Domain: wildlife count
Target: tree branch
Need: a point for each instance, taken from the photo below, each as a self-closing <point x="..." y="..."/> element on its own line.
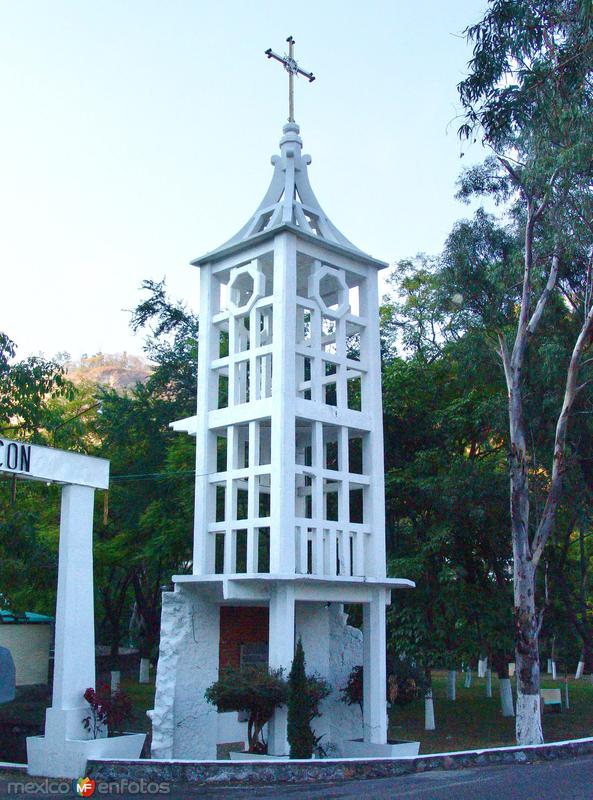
<point x="546" y="523"/>
<point x="544" y="297"/>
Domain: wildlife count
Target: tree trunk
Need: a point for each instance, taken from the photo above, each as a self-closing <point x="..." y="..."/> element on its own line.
<point x="488" y="682"/>
<point x="429" y="721"/>
<point x="144" y="672"/>
<point x="451" y="685"/>
<point x="528" y="718"/>
<point x="506" y="697"/>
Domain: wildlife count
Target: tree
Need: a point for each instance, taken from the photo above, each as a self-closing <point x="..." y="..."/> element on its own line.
<point x="256" y="691"/>
<point x="445" y="459"/>
<point x="300" y="736"/>
<point x="529" y="95"/>
<point x="305" y="693"/>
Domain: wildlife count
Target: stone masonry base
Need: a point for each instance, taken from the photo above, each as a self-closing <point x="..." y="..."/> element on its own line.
<point x="254" y="773"/>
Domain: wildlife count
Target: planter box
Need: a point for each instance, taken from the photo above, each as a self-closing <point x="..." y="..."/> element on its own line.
<point x="244" y="756"/>
<point x="394" y="748"/>
<point x="68" y="759"/>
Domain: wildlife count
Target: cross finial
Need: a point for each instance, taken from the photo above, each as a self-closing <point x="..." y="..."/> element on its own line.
<point x="291" y="66"/>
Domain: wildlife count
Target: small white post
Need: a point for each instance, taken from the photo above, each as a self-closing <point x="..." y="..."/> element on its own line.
<point x="580" y="669"/>
<point x="553" y="670"/>
<point x="488" y="682"/>
<point x="144" y="676"/>
<point x="115" y="680"/>
<point x="566" y="698"/>
<point x="451" y="685"/>
<point x="506" y="697"/>
<point x="468" y="678"/>
<point x="429" y="723"/>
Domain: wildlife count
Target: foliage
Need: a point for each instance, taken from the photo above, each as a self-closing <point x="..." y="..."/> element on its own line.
<point x="108" y="710"/>
<point x="254" y="690"/>
<point x="352" y="693"/>
<point x="305" y="693"/>
<point x="25" y="388"/>
<point x="404" y="681"/>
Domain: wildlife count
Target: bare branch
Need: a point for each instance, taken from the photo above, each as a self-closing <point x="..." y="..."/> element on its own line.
<point x="546" y="523"/>
<point x="503" y="352"/>
<point x="544" y="297"/>
<point x="521" y="337"/>
<point x="548" y="195"/>
<point x="514" y="175"/>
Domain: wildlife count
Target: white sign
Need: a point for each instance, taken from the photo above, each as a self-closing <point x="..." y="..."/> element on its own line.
<point x="49" y="464"/>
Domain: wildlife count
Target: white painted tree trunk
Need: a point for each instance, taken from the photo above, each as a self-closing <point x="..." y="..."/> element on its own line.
<point x="579" y="673"/>
<point x="506" y="697"/>
<point x="144" y="676"/>
<point x="468" y="679"/>
<point x="553" y="670"/>
<point x="482" y="667"/>
<point x="451" y="685"/>
<point x="115" y="680"/>
<point x="549" y="665"/>
<point x="529" y="721"/>
<point x="488" y="682"/>
<point x="429" y="723"/>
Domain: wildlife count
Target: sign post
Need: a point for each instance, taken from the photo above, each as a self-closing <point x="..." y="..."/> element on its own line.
<point x="56" y="754"/>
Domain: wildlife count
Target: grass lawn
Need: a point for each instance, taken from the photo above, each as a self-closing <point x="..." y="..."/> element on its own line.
<point x="472" y="721"/>
<point x="475" y="721"/>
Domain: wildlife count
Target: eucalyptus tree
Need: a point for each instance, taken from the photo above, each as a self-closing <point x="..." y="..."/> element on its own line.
<point x="529" y="96"/>
<point x="445" y="464"/>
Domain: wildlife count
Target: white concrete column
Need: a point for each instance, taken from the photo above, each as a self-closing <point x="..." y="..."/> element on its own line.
<point x="281" y="653"/>
<point x="74" y="665"/>
<point x="374" y="669"/>
<point x="206" y="451"/>
<point x="282" y="530"/>
<point x="372" y="404"/>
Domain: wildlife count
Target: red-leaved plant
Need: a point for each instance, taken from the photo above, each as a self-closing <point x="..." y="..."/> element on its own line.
<point x="107" y="710"/>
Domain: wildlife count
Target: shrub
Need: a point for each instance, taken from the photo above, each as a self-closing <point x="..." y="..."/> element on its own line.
<point x="305" y="693"/>
<point x="352" y="693"/>
<point x="256" y="691"/>
<point x="107" y="710"/>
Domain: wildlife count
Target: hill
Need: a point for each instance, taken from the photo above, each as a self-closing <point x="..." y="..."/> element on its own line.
<point x="119" y="370"/>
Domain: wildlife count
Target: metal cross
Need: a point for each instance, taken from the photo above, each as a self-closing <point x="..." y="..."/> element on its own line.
<point x="291" y="66"/>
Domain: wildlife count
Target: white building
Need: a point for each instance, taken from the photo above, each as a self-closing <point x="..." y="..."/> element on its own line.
<point x="289" y="515"/>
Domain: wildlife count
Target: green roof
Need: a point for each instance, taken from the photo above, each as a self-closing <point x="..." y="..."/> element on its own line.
<point x="24" y="617"/>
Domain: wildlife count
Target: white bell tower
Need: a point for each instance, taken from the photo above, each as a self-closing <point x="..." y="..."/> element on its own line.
<point x="290" y="505"/>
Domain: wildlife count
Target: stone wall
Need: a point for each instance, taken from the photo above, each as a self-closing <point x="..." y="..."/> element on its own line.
<point x="259" y="773"/>
<point x="184" y="725"/>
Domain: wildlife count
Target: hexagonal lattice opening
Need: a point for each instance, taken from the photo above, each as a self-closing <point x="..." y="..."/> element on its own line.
<point x="246" y="286"/>
<point x="328" y="286"/>
<point x="242" y="289"/>
<point x="331" y="292"/>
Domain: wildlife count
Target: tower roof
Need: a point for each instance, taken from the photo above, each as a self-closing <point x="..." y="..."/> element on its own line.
<point x="290" y="203"/>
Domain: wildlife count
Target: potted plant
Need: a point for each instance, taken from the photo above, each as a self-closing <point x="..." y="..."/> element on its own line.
<point x="258" y="692"/>
<point x="106" y="715"/>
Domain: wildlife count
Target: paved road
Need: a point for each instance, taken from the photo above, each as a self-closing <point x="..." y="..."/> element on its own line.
<point x="560" y="780"/>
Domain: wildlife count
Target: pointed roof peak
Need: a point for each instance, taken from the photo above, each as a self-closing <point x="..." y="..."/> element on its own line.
<point x="289" y="201"/>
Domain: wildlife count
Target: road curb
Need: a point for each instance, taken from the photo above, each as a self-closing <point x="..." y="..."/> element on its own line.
<point x="262" y="773"/>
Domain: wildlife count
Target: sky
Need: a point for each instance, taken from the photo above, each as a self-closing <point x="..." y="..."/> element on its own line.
<point x="137" y="134"/>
